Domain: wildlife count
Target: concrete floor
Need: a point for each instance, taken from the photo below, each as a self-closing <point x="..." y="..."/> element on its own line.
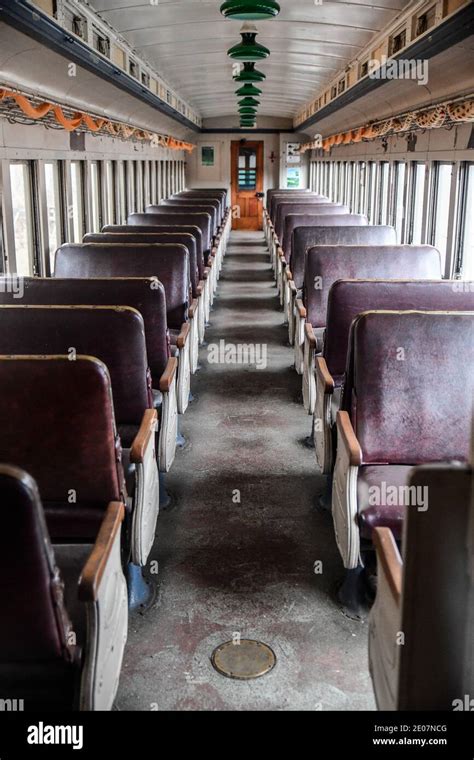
<point x="247" y="568"/>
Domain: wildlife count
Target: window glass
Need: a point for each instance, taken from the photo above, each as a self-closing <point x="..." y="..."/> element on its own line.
<point x="383" y="192"/>
<point x="467" y="226"/>
<point x="247" y="178"/>
<point x="440" y="208"/>
<point x="398" y="209"/>
<point x="417" y="199"/>
<point x="95" y="196"/>
<point x="22" y="217"/>
<point x="53" y="207"/>
<point x="77" y="209"/>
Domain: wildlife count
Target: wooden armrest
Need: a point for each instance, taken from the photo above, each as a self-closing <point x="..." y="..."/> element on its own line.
<point x="93" y="570"/>
<point x="183" y="335"/>
<point x="347" y="438"/>
<point x="389" y="559"/>
<point x="301" y="308"/>
<point x="288" y="273"/>
<point x="292" y="286"/>
<point x="140" y="442"/>
<point x="280" y="252"/>
<point x="308" y="329"/>
<point x="206" y="273"/>
<point x="168" y="375"/>
<point x="192" y="309"/>
<point x="321" y="369"/>
<point x="214" y="251"/>
<point x="200" y="287"/>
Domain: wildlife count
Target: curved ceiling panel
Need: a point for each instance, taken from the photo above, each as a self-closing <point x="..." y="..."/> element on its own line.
<point x="187" y="42"/>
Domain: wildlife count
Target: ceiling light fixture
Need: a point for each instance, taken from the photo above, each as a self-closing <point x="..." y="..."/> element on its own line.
<point x="248" y="89"/>
<point x="250" y="10"/>
<point x="248" y="50"/>
<point x="249" y="74"/>
<point x="249" y="102"/>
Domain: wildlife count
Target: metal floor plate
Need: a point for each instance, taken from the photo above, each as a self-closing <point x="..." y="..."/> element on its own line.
<point x="245" y="660"/>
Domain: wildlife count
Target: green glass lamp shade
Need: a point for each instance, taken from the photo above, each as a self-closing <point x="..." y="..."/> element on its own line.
<point x="248" y="89"/>
<point x="250" y="74"/>
<point x="250" y="10"/>
<point x="249" y="102"/>
<point x="247" y="111"/>
<point x="248" y="49"/>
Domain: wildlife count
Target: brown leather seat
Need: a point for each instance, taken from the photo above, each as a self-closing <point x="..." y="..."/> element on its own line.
<point x="404" y="370"/>
<point x="208" y="205"/>
<point x="421" y="627"/>
<point x="176" y="217"/>
<point x="52" y="656"/>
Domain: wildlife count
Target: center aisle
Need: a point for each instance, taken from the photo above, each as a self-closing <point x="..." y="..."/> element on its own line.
<point x="237" y="552"/>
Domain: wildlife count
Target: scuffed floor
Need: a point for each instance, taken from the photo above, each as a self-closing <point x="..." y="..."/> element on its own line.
<point x="246" y="568"/>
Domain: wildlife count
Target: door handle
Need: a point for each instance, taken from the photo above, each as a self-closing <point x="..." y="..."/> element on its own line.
<point x="259" y="195"/>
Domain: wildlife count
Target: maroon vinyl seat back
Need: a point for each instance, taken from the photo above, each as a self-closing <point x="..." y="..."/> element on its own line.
<point x="211" y="205"/>
<point x="326" y="229"/>
<point x="220" y="196"/>
<point x="327" y="264"/>
<point x="172" y="215"/>
<point x="162" y="228"/>
<point x="178" y="238"/>
<point x="168" y="263"/>
<point x="113" y="334"/>
<point x="146" y="295"/>
<point x="313" y="206"/>
<point x="301" y="234"/>
<point x="274" y="195"/>
<point x="35" y="623"/>
<point x="413" y="386"/>
<point x="58" y="424"/>
<point x="348" y="298"/>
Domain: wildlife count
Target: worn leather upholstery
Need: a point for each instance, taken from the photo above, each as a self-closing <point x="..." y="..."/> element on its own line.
<point x="205" y="195"/>
<point x="168" y="263"/>
<point x="169" y="215"/>
<point x="163" y="228"/>
<point x="113" y="334"/>
<point x="61" y="425"/>
<point x="337" y="262"/>
<point x="146" y="295"/>
<point x="315" y="229"/>
<point x="347" y="298"/>
<point x="301" y="234"/>
<point x="314" y="206"/>
<point x="154" y="237"/>
<point x="289" y="195"/>
<point x="213" y="206"/>
<point x="409" y="393"/>
<point x="37" y="664"/>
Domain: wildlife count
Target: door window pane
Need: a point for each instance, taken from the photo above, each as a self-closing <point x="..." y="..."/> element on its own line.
<point x="247" y="171"/>
<point x="53" y="206"/>
<point x="22" y="217"/>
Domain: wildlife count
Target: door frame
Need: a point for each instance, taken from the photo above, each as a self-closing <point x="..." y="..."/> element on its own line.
<point x="235" y="146"/>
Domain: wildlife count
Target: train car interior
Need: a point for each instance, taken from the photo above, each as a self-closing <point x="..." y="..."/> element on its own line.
<point x="237" y="356"/>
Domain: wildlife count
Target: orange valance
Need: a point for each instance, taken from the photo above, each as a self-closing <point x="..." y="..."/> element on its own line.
<point x="92" y="124"/>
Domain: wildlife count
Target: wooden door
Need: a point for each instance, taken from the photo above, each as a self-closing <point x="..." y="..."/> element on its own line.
<point x="247" y="181"/>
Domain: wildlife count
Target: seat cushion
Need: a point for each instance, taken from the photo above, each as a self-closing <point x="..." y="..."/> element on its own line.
<point x="382" y="497"/>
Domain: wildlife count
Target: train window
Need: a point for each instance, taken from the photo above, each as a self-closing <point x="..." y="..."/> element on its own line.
<point x="146" y="183"/>
<point x="371" y="181"/>
<point x="355" y="187"/>
<point x="340" y="186"/>
<point x="383" y="192"/>
<point x="109" y="192"/>
<point x="22" y="212"/>
<point x="138" y="186"/>
<point x="153" y="198"/>
<point x="348" y="183"/>
<point x="76" y="211"/>
<point x="398" y="205"/>
<point x="131" y="203"/>
<point x="418" y="175"/>
<point x="53" y="208"/>
<point x="440" y="205"/>
<point x="465" y="253"/>
<point x="121" y="192"/>
<point x="95" y="196"/>
<point x="362" y="204"/>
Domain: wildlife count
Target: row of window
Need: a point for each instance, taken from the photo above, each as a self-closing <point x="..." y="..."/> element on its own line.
<point x="47" y="203"/>
<point x="426" y="202"/>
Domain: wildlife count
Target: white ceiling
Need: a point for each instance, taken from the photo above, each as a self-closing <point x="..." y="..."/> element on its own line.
<point x="186" y="41"/>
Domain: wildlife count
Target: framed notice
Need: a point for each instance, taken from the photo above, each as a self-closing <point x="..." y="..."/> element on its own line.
<point x="292" y="177"/>
<point x="293" y="155"/>
<point x="207" y="155"/>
